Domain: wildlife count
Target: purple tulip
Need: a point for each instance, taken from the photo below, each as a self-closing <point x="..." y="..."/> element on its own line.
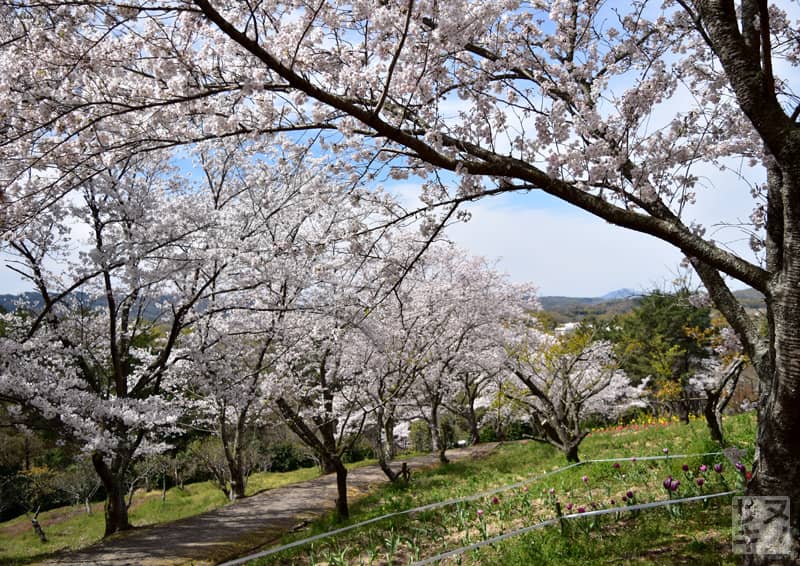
<point x="665" y="450"/>
<point x="616" y="465"/>
<point x="703" y="468"/>
<point x="614" y="502"/>
<point x="581" y="509"/>
<point x="552" y="490"/>
<point x="629" y="494"/>
<point x="700" y="482"/>
<point x="674" y="485"/>
<point x="667" y="483"/>
<point x="569" y="506"/>
<point x="585" y="479"/>
<point x="718" y="468"/>
<point x="495" y="500"/>
<point x="739" y="467"/>
<point x="480" y="513"/>
<point x="633" y="459"/>
<point x="685" y="467"/>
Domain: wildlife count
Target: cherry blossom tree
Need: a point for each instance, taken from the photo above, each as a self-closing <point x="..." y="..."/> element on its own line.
<point x="560" y="96"/>
<point x="91" y="363"/>
<point x="473" y="381"/>
<point x="396" y="352"/>
<point x="317" y="396"/>
<point x="463" y="301"/>
<point x="719" y="374"/>
<point x="277" y="216"/>
<point x="566" y="380"/>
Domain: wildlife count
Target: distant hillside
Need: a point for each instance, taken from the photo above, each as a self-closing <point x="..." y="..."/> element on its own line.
<point x="32" y="300"/>
<point x="564" y="309"/>
<point x="621" y="294"/>
<point x="751" y="299"/>
<point x="8" y="303"/>
<point x="569" y="309"/>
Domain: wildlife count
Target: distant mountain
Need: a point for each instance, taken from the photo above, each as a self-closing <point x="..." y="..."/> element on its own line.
<point x="33" y="300"/>
<point x="8" y="302"/>
<point x="570" y="309"/>
<point x="565" y="309"/>
<point x="621" y="294"/>
<point x="751" y="299"/>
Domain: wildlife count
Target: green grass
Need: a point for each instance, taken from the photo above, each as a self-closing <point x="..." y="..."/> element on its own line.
<point x="700" y="535"/>
<point x="696" y="533"/>
<point x="72" y="528"/>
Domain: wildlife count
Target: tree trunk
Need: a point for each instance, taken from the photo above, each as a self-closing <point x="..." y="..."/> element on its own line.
<point x="713" y="420"/>
<point x="776" y="470"/>
<point x="571" y="452"/>
<point x="499" y="431"/>
<point x="38" y="527"/>
<point x="683" y="411"/>
<point x="437" y="442"/>
<point x="116" y="511"/>
<point x="472" y="418"/>
<point x="388" y="431"/>
<point x="327" y="463"/>
<point x="238" y="482"/>
<point x="442" y="456"/>
<point x="381" y="448"/>
<point x="342" y="509"/>
<point x="474" y="431"/>
<point x="387" y="469"/>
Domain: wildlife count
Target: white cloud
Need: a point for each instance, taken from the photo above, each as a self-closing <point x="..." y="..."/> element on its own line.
<point x="565" y="252"/>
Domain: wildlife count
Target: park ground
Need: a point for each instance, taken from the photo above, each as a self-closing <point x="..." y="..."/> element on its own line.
<point x="680" y="534"/>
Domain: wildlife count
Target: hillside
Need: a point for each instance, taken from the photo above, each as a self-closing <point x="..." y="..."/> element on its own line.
<point x="571" y="309"/>
<point x="563" y="309"/>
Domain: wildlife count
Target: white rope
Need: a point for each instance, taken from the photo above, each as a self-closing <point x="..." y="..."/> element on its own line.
<point x="555" y="520"/>
<point x="449" y="502"/>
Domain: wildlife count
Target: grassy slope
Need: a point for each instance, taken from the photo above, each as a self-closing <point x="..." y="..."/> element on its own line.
<point x="700" y="535"/>
<point x="71" y="527"/>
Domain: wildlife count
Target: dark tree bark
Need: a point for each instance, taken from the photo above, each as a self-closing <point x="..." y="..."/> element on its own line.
<point x="326" y="447"/>
<point x="712" y="421"/>
<point x="116" y="509"/>
<point x="384" y="444"/>
<point x="37" y="527"/>
<point x="342" y="509"/>
<point x="474" y="430"/>
<point x="438" y="443"/>
<point x="717" y="399"/>
<point x="571" y="452"/>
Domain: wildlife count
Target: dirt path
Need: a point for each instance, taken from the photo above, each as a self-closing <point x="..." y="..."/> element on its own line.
<point x="237" y="529"/>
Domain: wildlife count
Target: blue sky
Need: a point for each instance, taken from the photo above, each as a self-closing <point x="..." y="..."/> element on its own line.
<point x="565" y="251"/>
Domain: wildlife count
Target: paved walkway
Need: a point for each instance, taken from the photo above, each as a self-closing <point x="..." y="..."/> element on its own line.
<point x="240" y="528"/>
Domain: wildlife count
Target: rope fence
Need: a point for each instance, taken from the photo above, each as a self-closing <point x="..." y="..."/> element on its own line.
<point x="547" y="523"/>
<point x="484" y="494"/>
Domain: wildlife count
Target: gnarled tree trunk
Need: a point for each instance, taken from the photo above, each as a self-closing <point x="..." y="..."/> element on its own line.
<point x="116" y="509"/>
<point x="342" y="509"/>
